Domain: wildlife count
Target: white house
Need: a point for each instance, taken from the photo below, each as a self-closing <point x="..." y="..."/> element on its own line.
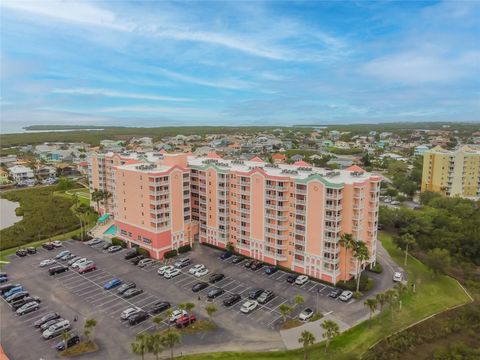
<point x="21" y="173"/>
<point x="420" y="149"/>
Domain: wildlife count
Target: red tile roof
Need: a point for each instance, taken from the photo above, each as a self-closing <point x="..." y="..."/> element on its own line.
<point x="257" y="159"/>
<point x="213" y="155"/>
<point x="301" y="163"/>
<point x="355" y="168"/>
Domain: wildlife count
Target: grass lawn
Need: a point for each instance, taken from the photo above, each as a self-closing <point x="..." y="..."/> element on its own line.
<point x="82" y="194"/>
<point x="432" y="295"/>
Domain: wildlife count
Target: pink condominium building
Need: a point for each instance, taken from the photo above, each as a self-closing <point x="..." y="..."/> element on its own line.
<point x="286" y="215"/>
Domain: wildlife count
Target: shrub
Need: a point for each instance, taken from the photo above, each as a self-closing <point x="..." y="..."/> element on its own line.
<point x="365" y="283"/>
<point x="377" y="268"/>
<point x="357" y="294"/>
<point x="183" y="249"/>
<point x="119" y="242"/>
<point x="19" y="211"/>
<point x="141" y="251"/>
<point x="170" y="254"/>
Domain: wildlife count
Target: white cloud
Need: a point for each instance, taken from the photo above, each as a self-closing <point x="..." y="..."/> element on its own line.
<point x="193" y="112"/>
<point x="117" y="94"/>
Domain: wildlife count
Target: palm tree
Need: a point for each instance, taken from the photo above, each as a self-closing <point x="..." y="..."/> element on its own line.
<point x="188" y="307"/>
<point x="360" y="252"/>
<point x="331" y="330"/>
<point x="211" y="309"/>
<point x="140" y="345"/>
<point x="105" y="196"/>
<point x="347" y="242"/>
<point x="306" y="339"/>
<point x="391" y="296"/>
<point x="401" y="290"/>
<point x="168" y="314"/>
<point x="285" y="309"/>
<point x="170" y="339"/>
<point x="372" y="304"/>
<point x="157" y="320"/>
<point x="65" y="337"/>
<point x="408" y="241"/>
<point x="97" y="197"/>
<point x="155" y="345"/>
<point x="298" y="300"/>
<point x="88" y="327"/>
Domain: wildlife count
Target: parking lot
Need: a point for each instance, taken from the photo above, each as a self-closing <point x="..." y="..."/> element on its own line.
<point x="83" y="295"/>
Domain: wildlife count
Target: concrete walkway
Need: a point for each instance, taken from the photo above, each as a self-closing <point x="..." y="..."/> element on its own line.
<point x="98" y="230"/>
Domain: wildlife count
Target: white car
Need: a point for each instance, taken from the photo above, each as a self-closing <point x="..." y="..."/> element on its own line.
<point x="397" y="276"/>
<point x="62" y="254"/>
<point x="302" y="279"/>
<point x="57" y="243"/>
<point x="172" y="273"/>
<point x="46" y="262"/>
<point x="163" y="269"/>
<point x="346" y="295"/>
<point x="248" y="306"/>
<point x="129" y="312"/>
<point x="306" y="314"/>
<point x="201" y="273"/>
<point x="196" y="268"/>
<point x="81" y="263"/>
<point x="177" y="314"/>
<point x="56" y="329"/>
<point x="145" y="262"/>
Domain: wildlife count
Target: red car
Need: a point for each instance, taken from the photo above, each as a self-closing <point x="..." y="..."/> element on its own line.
<point x="87" y="268"/>
<point x="186" y="320"/>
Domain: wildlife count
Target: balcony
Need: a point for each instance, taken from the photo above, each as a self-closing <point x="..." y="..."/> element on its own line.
<point x="300" y="221"/>
<point x="333" y="218"/>
<point x="300" y="201"/>
<point x="301" y="191"/>
<point x="336" y="207"/>
<point x="334" y="229"/>
<point x="335" y="197"/>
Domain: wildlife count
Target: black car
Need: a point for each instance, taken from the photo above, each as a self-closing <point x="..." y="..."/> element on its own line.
<point x="215" y="278"/>
<point x="212" y="294"/>
<point x="269" y="270"/>
<point x="45" y="318"/>
<point x="237" y="259"/>
<point x="19" y="303"/>
<point x="248" y="264"/>
<point x="72" y="340"/>
<point x="48" y="246"/>
<point x="255" y="293"/>
<point x="256" y="265"/>
<point x="225" y="255"/>
<point x="137" y="259"/>
<point x="291" y="278"/>
<point x="266" y="296"/>
<point x="7" y="287"/>
<point x="335" y="293"/>
<point x="159" y="307"/>
<point x="126" y="287"/>
<point x="21" y="252"/>
<point x="199" y="286"/>
<point x="57" y="269"/>
<point x="138" y="317"/>
<point x="31" y="250"/>
<point x="130" y="254"/>
<point x="232" y="300"/>
<point x="132" y="292"/>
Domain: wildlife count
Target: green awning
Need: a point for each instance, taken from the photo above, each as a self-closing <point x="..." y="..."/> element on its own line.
<point x="103" y="218"/>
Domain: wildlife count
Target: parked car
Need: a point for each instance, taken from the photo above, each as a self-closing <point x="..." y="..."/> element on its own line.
<point x="196" y="268"/>
<point x="163" y="269"/>
<point x="346" y="295"/>
<point x="256" y="265"/>
<point x="82" y="264"/>
<point x="49" y="323"/>
<point x="302" y="279"/>
<point x="255" y="293"/>
<point x="73" y="261"/>
<point x="3" y="279"/>
<point x="130" y="254"/>
<point x="248" y="306"/>
<point x="129" y="312"/>
<point x="180" y="263"/>
<point x="45" y="318"/>
<point x="248" y="264"/>
<point x="72" y="341"/>
<point x="199" y="286"/>
<point x="232" y="300"/>
<point x="57" y="270"/>
<point x="79" y="262"/>
<point x="56" y="329"/>
<point x="138" y="317"/>
<point x="21" y="252"/>
<point x="62" y="254"/>
<point x="266" y="296"/>
<point x="159" y="307"/>
<point x="216" y="292"/>
<point x="225" y="255"/>
<point x="269" y="270"/>
<point x="13" y="290"/>
<point x="106" y="245"/>
<point x="397" y="276"/>
<point x="28" y="308"/>
<point x="7" y="287"/>
<point x="145" y="262"/>
<point x="67" y="257"/>
<point x="335" y="293"/>
<point x="306" y="314"/>
<point x="185" y="320"/>
<point x="112" y="284"/>
<point x="136" y="259"/>
<point x="94" y="241"/>
<point x="292" y="278"/>
<point x="31" y="250"/>
<point x="19" y="303"/>
<point x="46" y="262"/>
<point x="237" y="259"/>
<point x="125" y="287"/>
<point x="172" y="273"/>
<point x="87" y="268"/>
<point x="176" y="314"/>
<point x="48" y="246"/>
<point x="131" y="293"/>
<point x="57" y="243"/>
<point x="201" y="273"/>
<point x="17" y="296"/>
<point x="214" y="278"/>
<point x="114" y="248"/>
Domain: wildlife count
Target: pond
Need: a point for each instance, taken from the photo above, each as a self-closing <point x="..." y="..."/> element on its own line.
<point x="7" y="213"/>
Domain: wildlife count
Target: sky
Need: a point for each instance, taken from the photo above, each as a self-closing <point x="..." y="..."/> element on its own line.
<point x="158" y="63"/>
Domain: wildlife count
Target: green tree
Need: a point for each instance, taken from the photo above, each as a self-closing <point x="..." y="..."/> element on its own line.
<point x="347" y="242"/>
<point x="65" y="337"/>
<point x="155" y="345"/>
<point x="285" y="309"/>
<point x="157" y="320"/>
<point x="360" y="252"/>
<point x="168" y="314"/>
<point x="438" y="260"/>
<point x="372" y="304"/>
<point x="381" y="300"/>
<point x="170" y="339"/>
<point x="331" y="330"/>
<point x="211" y="309"/>
<point x="298" y="300"/>
<point x="97" y="196"/>
<point x="405" y="242"/>
<point x="140" y="345"/>
<point x="188" y="307"/>
<point x="88" y="328"/>
<point x="392" y="297"/>
<point x="306" y="339"/>
<point x="401" y="290"/>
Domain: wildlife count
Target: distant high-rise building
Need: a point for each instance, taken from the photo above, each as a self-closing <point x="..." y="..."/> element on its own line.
<point x="452" y="173"/>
